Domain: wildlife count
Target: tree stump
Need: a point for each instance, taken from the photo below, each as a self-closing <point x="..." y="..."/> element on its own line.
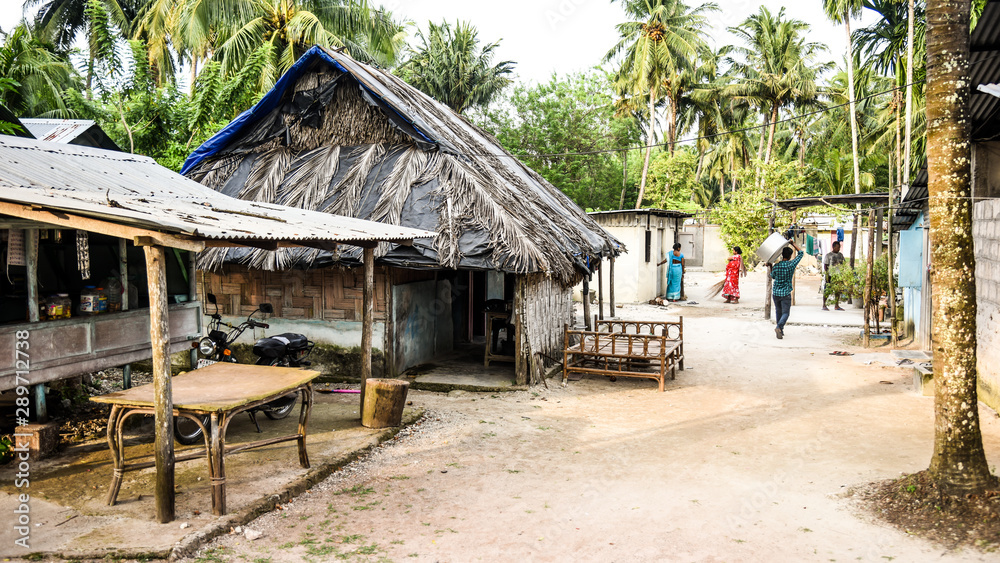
<point x="384" y="402"/>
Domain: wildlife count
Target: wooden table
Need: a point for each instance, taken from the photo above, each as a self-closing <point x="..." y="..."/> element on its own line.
<point x="219" y="391"/>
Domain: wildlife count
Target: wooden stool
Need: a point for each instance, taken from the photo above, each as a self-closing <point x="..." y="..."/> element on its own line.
<point x="383" y="402"/>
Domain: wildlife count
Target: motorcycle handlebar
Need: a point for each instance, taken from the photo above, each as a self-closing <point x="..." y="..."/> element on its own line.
<point x="263" y="325"/>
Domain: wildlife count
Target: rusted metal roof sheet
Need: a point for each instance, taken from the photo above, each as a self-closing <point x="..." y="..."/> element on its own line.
<point x="83" y="132"/>
<point x="134" y="190"/>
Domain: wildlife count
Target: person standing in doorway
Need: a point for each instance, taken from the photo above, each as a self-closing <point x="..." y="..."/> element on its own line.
<point x="833" y="259"/>
<point x="674" y="273"/>
<point x="781" y="289"/>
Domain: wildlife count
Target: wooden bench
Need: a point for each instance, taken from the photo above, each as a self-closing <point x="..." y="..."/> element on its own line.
<point x="644" y="349"/>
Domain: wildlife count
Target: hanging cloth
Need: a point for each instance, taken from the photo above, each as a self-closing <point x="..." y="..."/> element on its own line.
<point x="15" y="248"/>
<point x="83" y="254"/>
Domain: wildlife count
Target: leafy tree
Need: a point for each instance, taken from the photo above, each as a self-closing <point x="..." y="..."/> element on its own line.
<point x="657" y="43"/>
<point x="282" y="30"/>
<point x="38" y="75"/>
<point x="673" y="181"/>
<point x="102" y="21"/>
<point x="743" y="218"/>
<point x="450" y="66"/>
<point x="776" y="68"/>
<point x="572" y="114"/>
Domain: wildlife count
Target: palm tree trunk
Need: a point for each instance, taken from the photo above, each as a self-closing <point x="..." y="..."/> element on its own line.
<point x="90" y="75"/>
<point x="770" y="132"/>
<point x="760" y="144"/>
<point x="959" y="463"/>
<point x="673" y="123"/>
<point x="194" y="73"/>
<point x="649" y="147"/>
<point x="701" y="163"/>
<point x="854" y="132"/>
<point x="909" y="95"/>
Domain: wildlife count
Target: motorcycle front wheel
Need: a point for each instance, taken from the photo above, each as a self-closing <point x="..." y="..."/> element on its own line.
<point x="187" y="432"/>
<point x="279" y="408"/>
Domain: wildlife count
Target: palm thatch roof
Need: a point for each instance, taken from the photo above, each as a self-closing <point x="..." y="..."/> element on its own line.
<point x="338" y="136"/>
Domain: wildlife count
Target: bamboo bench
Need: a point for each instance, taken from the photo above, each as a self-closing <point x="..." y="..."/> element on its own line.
<point x="643" y="349"/>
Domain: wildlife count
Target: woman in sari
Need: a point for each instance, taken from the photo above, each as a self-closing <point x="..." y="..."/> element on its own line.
<point x="675" y="273"/>
<point x="734" y="268"/>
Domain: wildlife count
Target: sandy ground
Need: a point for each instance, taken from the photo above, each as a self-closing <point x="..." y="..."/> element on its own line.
<point x="747" y="456"/>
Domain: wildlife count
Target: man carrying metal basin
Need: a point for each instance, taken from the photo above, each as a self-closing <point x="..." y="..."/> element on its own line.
<point x="781" y="290"/>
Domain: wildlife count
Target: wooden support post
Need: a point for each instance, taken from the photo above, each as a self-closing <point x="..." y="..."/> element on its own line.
<point x="368" y="257"/>
<point x="41" y="407"/>
<point x="891" y="298"/>
<point x="600" y="291"/>
<point x="159" y="335"/>
<point x="127" y="376"/>
<point x="586" y="301"/>
<point x="867" y="301"/>
<point x="879" y="215"/>
<point x="31" y="263"/>
<point x="611" y="286"/>
<point x="768" y="281"/>
<point x="31" y="279"/>
<point x="123" y="272"/>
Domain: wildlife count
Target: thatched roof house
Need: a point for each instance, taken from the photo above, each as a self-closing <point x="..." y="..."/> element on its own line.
<point x="339" y="136"/>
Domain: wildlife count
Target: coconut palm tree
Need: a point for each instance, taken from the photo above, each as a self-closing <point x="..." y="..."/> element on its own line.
<point x="660" y="39"/>
<point x="841" y="11"/>
<point x="235" y="31"/>
<point x="450" y="66"/>
<point x="37" y="74"/>
<point x="776" y="68"/>
<point x="959" y="463"/>
<point x="60" y="22"/>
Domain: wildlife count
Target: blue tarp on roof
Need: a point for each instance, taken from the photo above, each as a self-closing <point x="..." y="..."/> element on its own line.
<point x="273" y="99"/>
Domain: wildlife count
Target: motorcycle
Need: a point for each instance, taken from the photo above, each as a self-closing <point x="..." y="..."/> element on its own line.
<point x="286" y="350"/>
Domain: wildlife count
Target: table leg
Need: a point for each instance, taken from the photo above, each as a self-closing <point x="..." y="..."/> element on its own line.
<point x="217" y="465"/>
<point x="117" y="459"/>
<point x="307" y="401"/>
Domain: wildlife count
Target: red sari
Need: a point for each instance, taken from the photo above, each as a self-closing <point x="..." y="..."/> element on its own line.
<point x="731" y="290"/>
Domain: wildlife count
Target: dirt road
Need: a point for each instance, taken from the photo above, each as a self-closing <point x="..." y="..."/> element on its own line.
<point x="745" y="457"/>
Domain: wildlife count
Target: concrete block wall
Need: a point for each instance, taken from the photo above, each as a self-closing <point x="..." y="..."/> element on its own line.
<point x="986" y="235"/>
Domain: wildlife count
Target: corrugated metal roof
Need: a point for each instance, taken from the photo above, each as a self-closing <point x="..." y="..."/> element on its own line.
<point x="57" y="130"/>
<point x="83" y="132"/>
<point x="841" y="199"/>
<point x="668" y="213"/>
<point x="134" y="190"/>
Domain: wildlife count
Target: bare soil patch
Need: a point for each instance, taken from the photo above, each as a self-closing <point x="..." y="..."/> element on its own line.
<point x="915" y="505"/>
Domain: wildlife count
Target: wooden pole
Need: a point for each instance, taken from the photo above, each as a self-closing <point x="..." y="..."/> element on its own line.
<point x="159" y="335"/>
<point x="31" y="263"/>
<point x="611" y="286"/>
<point x="768" y="281"/>
<point x="123" y="271"/>
<point x="31" y="279"/>
<point x="879" y="227"/>
<point x="894" y="337"/>
<point x="192" y="267"/>
<point x="586" y="302"/>
<point x="867" y="302"/>
<point x="600" y="290"/>
<point x="368" y="256"/>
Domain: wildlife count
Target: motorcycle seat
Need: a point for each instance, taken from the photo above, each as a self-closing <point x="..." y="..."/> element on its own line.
<point x="280" y="344"/>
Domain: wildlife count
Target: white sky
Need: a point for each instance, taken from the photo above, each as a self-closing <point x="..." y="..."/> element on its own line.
<point x="543" y="36"/>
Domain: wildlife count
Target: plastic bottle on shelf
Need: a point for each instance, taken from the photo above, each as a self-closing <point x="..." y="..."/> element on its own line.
<point x="89" y="301"/>
<point x="114" y="292"/>
<point x="102" y="300"/>
<point x="67" y="305"/>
